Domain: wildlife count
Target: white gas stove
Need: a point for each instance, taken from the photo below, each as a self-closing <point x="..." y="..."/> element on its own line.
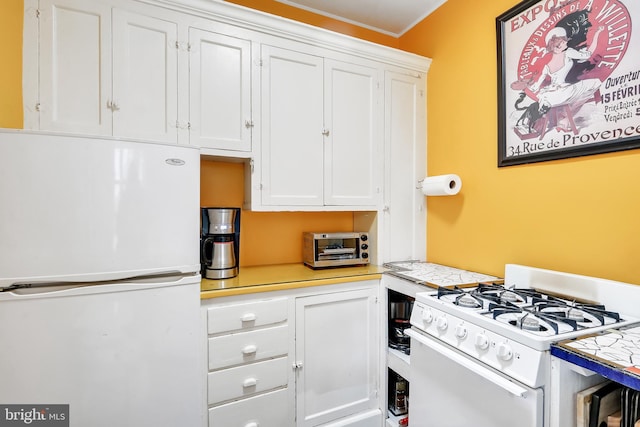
<point x="509" y="326"/>
<point x="479" y="338"/>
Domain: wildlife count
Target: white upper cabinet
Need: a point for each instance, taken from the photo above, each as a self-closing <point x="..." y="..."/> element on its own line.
<point x="220" y="91"/>
<point x="352" y="114"/>
<point x="322" y="121"/>
<point x="106" y="71"/>
<point x="404" y="215"/>
<point x="145" y="77"/>
<point x="292" y="133"/>
<point x="75" y="67"/>
<point x="319" y="136"/>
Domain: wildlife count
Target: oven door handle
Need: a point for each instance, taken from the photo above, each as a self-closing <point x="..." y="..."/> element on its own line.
<point x="471" y="365"/>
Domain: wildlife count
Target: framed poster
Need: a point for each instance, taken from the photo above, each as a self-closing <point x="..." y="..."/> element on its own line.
<point x="568" y="79"/>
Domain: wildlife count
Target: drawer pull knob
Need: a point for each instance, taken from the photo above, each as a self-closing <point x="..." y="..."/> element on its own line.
<point x="250" y="349"/>
<point x="251" y="424"/>
<point x="249" y="382"/>
<point x="249" y="317"/>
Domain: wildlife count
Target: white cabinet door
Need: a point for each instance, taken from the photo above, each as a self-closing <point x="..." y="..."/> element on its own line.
<point x="75" y="66"/>
<point x="220" y="91"/>
<point x="145" y="77"/>
<point x="292" y="140"/>
<point x="351" y="119"/>
<point x="405" y="164"/>
<point x="337" y="355"/>
<point x="106" y="71"/>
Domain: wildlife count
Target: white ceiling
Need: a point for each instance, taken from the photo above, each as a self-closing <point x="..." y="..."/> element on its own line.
<point x="392" y="17"/>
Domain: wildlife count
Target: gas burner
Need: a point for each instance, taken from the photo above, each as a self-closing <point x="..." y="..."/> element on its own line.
<point x="586" y="315"/>
<point x="575" y="314"/>
<point x="459" y="297"/>
<point x="512" y="297"/>
<point x="467" y="300"/>
<point x="499" y="294"/>
<point x="530" y="323"/>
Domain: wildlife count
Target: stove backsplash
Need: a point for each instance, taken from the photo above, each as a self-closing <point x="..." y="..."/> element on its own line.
<point x="618" y="296"/>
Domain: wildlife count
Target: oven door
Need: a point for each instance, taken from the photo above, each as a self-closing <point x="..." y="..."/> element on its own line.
<point x="449" y="389"/>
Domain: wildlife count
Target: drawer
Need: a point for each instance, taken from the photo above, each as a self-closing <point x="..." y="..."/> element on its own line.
<point x="244" y="316"/>
<point x="245" y="347"/>
<point x="265" y="410"/>
<point x="247" y="380"/>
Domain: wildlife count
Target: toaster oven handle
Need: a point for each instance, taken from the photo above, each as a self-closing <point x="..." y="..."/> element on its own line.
<point x="471" y="365"/>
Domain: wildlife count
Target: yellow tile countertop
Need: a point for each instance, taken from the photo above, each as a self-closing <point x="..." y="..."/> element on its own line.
<point x="267" y="278"/>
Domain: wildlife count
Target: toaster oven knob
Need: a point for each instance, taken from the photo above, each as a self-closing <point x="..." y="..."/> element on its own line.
<point x="364" y="255"/>
<point x="441" y="323"/>
<point x="504" y="351"/>
<point x="482" y="342"/>
<point x="364" y="246"/>
<point x="364" y="237"/>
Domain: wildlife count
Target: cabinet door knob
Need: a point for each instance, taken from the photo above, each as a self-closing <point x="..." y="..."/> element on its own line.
<point x="325" y="132"/>
<point x="112" y="106"/>
<point x="250" y="349"/>
<point x="249" y="317"/>
<point x="297" y="365"/>
<point x="249" y="382"/>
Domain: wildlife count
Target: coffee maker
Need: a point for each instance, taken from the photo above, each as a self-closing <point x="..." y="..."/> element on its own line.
<point x="220" y="242"/>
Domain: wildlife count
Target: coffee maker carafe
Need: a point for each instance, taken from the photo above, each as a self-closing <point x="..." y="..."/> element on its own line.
<point x="220" y="242"/>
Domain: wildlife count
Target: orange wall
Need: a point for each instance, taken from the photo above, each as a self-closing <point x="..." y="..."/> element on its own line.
<point x="11" y="60"/>
<point x="265" y="237"/>
<point x="578" y="215"/>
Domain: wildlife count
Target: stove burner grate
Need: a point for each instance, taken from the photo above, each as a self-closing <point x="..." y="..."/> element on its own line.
<point x="528" y="309"/>
<point x="499" y="294"/>
<point x="460" y="297"/>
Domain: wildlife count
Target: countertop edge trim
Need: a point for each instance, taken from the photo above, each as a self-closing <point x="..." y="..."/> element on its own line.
<point x="602" y="369"/>
<point x="285" y="286"/>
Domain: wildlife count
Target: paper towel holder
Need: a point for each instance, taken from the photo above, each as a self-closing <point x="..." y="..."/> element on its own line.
<point x="452" y="184"/>
<point x="440" y="185"/>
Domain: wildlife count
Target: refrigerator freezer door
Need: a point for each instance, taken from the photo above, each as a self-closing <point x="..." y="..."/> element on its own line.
<point x="87" y="209"/>
<point x="118" y="354"/>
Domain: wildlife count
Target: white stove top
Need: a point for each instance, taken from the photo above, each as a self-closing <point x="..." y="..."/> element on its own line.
<point x="513" y="331"/>
<point x="536" y="325"/>
<point x="521" y="312"/>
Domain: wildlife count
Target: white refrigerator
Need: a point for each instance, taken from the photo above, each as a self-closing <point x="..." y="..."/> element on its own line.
<point x="100" y="280"/>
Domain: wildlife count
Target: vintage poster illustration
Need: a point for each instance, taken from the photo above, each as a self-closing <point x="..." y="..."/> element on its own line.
<point x="569" y="79"/>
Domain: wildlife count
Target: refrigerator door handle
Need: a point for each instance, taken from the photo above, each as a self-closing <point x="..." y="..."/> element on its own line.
<point x="70" y="289"/>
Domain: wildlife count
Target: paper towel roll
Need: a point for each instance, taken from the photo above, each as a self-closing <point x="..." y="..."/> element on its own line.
<point x="441" y="185"/>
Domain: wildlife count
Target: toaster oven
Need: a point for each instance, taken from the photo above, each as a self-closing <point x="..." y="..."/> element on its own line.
<point x="335" y="249"/>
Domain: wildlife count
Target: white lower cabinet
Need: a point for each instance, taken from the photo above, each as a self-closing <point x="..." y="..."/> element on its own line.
<point x="267" y="410"/>
<point x="245" y="347"/>
<point x="302" y="357"/>
<point x="336" y="356"/>
<point x="247" y="379"/>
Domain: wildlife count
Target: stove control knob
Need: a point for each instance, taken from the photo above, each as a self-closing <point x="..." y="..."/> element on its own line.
<point x="482" y="342"/>
<point x="461" y="331"/>
<point x="441" y="323"/>
<point x="504" y="351"/>
<point x="427" y="316"/>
